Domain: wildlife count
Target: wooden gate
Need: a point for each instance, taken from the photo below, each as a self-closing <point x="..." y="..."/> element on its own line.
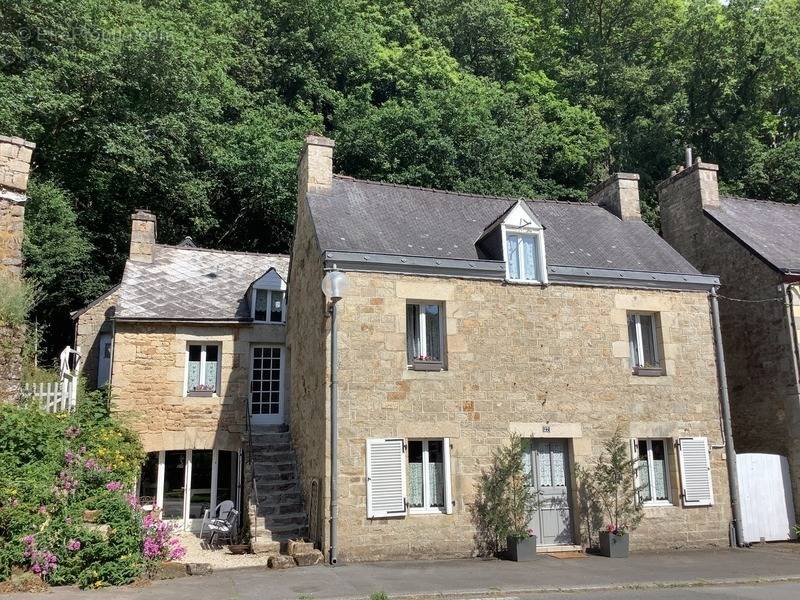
<point x="765" y="491"/>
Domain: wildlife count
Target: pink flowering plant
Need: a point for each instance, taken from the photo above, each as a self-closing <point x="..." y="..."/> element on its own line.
<point x="53" y="468"/>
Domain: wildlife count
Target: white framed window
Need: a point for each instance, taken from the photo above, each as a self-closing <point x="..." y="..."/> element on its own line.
<point x="269" y="306"/>
<point x="202" y="369"/>
<point x="266" y="384"/>
<point x="407" y="477"/>
<point x="522" y="256"/>
<point x="425" y="336"/>
<point x="652" y="471"/>
<point x="644" y="343"/>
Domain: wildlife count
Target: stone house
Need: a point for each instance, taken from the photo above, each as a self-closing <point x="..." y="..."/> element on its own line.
<point x="467" y="318"/>
<point x="15" y="164"/>
<point x="192" y="341"/>
<point x="753" y="246"/>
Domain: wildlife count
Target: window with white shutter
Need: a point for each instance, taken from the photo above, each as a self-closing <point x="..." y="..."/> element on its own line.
<point x="695" y="472"/>
<point x="386" y="482"/>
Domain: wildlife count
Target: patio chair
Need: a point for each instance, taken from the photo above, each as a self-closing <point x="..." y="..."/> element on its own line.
<point x="224" y="528"/>
<point x="220" y="512"/>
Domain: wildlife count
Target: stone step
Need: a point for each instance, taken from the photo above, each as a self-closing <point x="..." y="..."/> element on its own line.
<point x="279" y="498"/>
<point x="271" y="448"/>
<point x="294" y="534"/>
<point x="297" y="519"/>
<point x="260" y="438"/>
<point x="265" y="456"/>
<point x="258" y="429"/>
<point x="267" y="470"/>
<point x="271" y="510"/>
<point x="270" y="486"/>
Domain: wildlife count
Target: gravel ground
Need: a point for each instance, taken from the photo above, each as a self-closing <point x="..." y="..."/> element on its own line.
<point x="218" y="558"/>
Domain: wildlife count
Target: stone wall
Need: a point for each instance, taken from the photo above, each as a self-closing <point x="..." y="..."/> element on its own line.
<point x="756" y="336"/>
<point x="518" y="357"/>
<point x="89" y="324"/>
<point x="15" y="158"/>
<point x="149" y="367"/>
<point x="11" y="341"/>
<point x="307" y="333"/>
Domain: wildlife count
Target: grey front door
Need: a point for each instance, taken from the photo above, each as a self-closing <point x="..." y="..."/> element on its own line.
<point x="549" y="462"/>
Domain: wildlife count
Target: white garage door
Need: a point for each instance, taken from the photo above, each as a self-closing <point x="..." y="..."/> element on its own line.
<point x="766" y="497"/>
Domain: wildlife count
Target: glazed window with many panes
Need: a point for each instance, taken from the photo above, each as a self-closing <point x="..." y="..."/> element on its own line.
<point x="266" y="381"/>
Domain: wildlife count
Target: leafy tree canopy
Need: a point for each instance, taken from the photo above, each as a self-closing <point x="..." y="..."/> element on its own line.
<point x="196" y="109"/>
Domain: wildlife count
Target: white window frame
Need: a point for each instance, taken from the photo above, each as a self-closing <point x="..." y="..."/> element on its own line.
<point x="203" y="349"/>
<point x="268" y="418"/>
<point x="651" y="470"/>
<point x="637" y="344"/>
<point x="423" y="341"/>
<point x="185" y="522"/>
<point x="270" y="292"/>
<point x="541" y="266"/>
<point x="426" y="484"/>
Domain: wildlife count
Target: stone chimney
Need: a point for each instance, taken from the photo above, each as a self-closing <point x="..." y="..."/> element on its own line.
<point x="682" y="198"/>
<point x="619" y="195"/>
<point x="15" y="165"/>
<point x="143" y="236"/>
<point x="315" y="169"/>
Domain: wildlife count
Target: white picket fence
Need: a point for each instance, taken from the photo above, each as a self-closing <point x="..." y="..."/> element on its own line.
<point x="54" y="396"/>
<point x="58" y="396"/>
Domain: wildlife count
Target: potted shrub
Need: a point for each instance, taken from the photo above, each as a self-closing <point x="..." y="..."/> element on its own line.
<point x="505" y="504"/>
<point x="610" y="489"/>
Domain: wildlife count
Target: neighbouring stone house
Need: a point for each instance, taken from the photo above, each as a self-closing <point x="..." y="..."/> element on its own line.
<point x="471" y="317"/>
<point x="754" y="246"/>
<point x="15" y="161"/>
<point x="189" y="341"/>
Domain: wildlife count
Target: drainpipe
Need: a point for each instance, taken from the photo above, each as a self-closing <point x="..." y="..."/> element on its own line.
<point x="334" y="430"/>
<point x="730" y="451"/>
<point x="793" y="335"/>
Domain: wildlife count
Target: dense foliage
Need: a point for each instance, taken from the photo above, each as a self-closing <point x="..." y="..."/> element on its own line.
<point x="197" y="108"/>
<point x="53" y="468"/>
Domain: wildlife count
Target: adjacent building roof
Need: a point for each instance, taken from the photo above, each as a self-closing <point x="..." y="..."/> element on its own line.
<point x="193" y="284"/>
<point x="770" y="229"/>
<point x="363" y="217"/>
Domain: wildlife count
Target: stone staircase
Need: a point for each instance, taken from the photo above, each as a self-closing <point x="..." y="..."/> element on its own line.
<point x="280" y="514"/>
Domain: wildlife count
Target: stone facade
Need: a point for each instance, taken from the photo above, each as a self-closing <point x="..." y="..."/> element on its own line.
<point x="148" y="375"/>
<point x="518" y="357"/>
<point x="12" y="339"/>
<point x="90" y="323"/>
<point x="15" y="158"/>
<point x="757" y="337"/>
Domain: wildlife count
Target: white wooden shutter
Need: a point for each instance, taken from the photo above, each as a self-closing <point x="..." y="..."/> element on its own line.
<point x="448" y="492"/>
<point x="386" y="481"/>
<point x="695" y="472"/>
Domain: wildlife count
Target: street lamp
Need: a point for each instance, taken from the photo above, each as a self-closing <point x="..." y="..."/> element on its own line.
<point x="334" y="285"/>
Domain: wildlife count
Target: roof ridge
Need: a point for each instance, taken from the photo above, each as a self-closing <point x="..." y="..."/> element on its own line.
<point x="759" y="200"/>
<point x="240" y="252"/>
<point x="465" y="194"/>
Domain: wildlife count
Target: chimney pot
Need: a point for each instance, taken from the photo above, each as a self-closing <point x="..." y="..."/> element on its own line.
<point x="143" y="236"/>
<point x="619" y="194"/>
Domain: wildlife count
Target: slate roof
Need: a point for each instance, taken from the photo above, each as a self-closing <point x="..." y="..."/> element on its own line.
<point x="366" y="216"/>
<point x="193" y="284"/>
<point x="769" y="229"/>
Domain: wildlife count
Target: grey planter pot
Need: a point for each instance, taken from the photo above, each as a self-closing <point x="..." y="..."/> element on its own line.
<point x="614" y="546"/>
<point x="521" y="550"/>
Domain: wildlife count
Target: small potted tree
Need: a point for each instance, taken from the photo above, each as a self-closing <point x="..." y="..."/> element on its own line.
<point x="609" y="485"/>
<point x="505" y="504"/>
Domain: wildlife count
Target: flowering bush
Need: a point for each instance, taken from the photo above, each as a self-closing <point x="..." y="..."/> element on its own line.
<point x="55" y="467"/>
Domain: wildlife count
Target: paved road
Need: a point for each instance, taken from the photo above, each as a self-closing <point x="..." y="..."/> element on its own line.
<point x="782" y="591"/>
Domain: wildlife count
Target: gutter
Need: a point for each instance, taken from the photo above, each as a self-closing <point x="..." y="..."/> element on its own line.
<point x="730" y="451"/>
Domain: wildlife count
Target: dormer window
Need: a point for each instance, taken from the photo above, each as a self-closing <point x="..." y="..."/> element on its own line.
<point x="523" y="245"/>
<point x="269" y="306"/>
<point x="522" y="256"/>
<point x="268" y="298"/>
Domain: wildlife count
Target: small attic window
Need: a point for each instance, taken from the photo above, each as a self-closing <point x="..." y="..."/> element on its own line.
<point x="268" y="298"/>
<point x="523" y="246"/>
